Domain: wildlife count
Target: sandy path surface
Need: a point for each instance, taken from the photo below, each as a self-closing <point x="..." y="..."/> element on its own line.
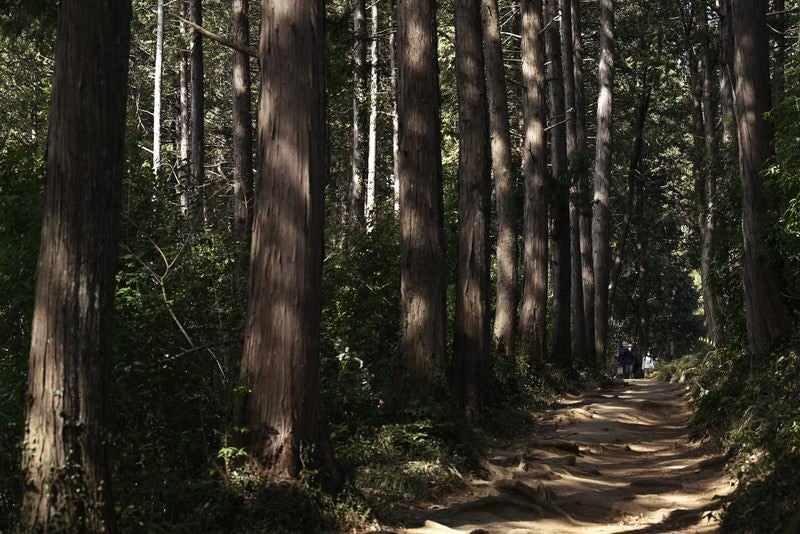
<point x="614" y="460"/>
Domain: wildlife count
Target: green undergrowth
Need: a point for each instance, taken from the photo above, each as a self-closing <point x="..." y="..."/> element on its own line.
<point x="751" y="407"/>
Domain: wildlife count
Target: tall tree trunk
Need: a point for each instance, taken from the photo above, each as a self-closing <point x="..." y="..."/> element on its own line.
<point x="559" y="192"/>
<point x="500" y="138"/>
<point x="727" y="81"/>
<point x="183" y="179"/>
<point x="197" y="103"/>
<point x="472" y="340"/>
<point x="643" y="269"/>
<point x="280" y="366"/>
<point x="574" y="174"/>
<point x="67" y="484"/>
<point x="372" y="154"/>
<point x="765" y="309"/>
<point x="712" y="167"/>
<point x="157" y="72"/>
<point x="582" y="181"/>
<point x="242" y="124"/>
<point x="359" y="81"/>
<point x="422" y="265"/>
<point x="634" y="178"/>
<point x="601" y="217"/>
<point x="395" y="122"/>
<point x="533" y="316"/>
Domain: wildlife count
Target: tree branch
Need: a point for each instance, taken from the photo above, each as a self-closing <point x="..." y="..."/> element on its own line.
<point x="252" y="52"/>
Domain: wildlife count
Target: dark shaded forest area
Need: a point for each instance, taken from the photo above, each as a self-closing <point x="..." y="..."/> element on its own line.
<point x="295" y="266"/>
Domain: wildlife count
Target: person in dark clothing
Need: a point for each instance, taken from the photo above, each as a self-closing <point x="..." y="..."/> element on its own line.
<point x="626" y="359"/>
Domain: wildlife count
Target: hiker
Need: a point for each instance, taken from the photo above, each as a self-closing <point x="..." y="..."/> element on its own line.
<point x="647" y="364"/>
<point x="637" y="363"/>
<point x="626" y="359"/>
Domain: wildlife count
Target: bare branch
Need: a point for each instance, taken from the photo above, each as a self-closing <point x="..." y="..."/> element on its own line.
<point x="252" y="52"/>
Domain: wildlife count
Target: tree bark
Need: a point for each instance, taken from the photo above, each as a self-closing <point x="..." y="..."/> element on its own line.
<point x="533" y="317"/>
<point x="422" y="265"/>
<point x="634" y="179"/>
<point x="561" y="352"/>
<point x="582" y="200"/>
<point x="157" y="72"/>
<point x="197" y="138"/>
<point x="357" y="215"/>
<point x="64" y="458"/>
<point x="574" y="174"/>
<point x="500" y="139"/>
<point x="395" y="122"/>
<point x="183" y="179"/>
<point x="242" y="124"/>
<point x="601" y="211"/>
<point x="765" y="309"/>
<point x="472" y="340"/>
<point x="712" y="167"/>
<point x="372" y="153"/>
<point x="280" y="365"/>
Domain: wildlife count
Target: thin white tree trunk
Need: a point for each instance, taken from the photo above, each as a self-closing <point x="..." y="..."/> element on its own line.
<point x="373" y="115"/>
<point x="157" y="87"/>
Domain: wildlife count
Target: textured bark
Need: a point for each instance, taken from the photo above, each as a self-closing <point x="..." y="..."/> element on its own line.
<point x="727" y="80"/>
<point x="157" y="72"/>
<point x="242" y="124"/>
<point x="500" y="139"/>
<point x="634" y="184"/>
<point x="533" y="316"/>
<point x="395" y="123"/>
<point x="765" y="309"/>
<point x="422" y="266"/>
<point x="359" y="90"/>
<point x="601" y="211"/>
<point x="198" y="133"/>
<point x="372" y="136"/>
<point x="281" y="350"/>
<point x="65" y="462"/>
<point x="712" y="168"/>
<point x="582" y="200"/>
<point x="183" y="180"/>
<point x="575" y="173"/>
<point x="561" y="352"/>
<point x="471" y="339"/>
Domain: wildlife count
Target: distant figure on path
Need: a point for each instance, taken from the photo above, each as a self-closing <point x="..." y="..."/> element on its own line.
<point x="647" y="364"/>
<point x="626" y="359"/>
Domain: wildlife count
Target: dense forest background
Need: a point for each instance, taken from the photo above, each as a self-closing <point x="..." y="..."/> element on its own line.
<point x="679" y="194"/>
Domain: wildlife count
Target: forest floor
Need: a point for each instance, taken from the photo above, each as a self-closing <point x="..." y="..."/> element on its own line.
<point x="610" y="460"/>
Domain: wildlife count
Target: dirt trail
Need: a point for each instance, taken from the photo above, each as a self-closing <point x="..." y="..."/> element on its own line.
<point x="614" y="460"/>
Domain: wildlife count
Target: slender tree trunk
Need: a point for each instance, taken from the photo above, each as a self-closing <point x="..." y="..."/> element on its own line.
<point x="634" y="178"/>
<point x="582" y="180"/>
<point x="197" y="138"/>
<point x="500" y="136"/>
<point x="67" y="483"/>
<point x="372" y="155"/>
<point x="422" y="265"/>
<point x="395" y="122"/>
<point x="643" y="269"/>
<point x="533" y="316"/>
<point x="242" y="124"/>
<point x="183" y="179"/>
<point x="157" y="71"/>
<point x="765" y="309"/>
<point x="559" y="192"/>
<point x="280" y="366"/>
<point x="601" y="218"/>
<point x="357" y="214"/>
<point x="575" y="172"/>
<point x="727" y="81"/>
<point x="712" y="167"/>
<point x="472" y="340"/>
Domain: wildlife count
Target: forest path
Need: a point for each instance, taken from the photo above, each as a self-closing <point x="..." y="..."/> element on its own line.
<point x="611" y="460"/>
